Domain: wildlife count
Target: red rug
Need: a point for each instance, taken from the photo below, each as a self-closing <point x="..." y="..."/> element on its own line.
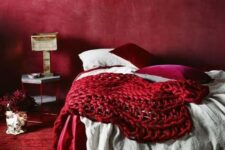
<point x="39" y="135"/>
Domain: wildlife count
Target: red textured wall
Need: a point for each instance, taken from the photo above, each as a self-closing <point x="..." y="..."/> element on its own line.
<point x="179" y="31"/>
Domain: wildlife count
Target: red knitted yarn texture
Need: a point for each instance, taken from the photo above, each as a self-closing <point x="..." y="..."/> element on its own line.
<point x="143" y="111"/>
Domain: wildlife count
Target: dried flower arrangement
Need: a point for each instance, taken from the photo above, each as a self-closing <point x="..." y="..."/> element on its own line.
<point x="17" y="101"/>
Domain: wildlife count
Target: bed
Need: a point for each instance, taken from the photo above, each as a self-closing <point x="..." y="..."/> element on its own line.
<point x="201" y="122"/>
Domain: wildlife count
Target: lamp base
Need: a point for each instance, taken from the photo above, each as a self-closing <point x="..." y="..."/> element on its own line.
<point x="46" y="64"/>
<point x="47" y="74"/>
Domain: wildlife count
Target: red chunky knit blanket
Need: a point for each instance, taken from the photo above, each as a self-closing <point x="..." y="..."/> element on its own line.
<point x="143" y="111"/>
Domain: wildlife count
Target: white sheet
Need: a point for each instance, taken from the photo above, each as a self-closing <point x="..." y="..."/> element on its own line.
<point x="208" y="121"/>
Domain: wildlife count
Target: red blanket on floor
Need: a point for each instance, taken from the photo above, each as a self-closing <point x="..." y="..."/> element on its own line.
<point x="143" y="111"/>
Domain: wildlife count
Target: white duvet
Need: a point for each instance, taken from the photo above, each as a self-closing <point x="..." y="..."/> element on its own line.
<point x="208" y="131"/>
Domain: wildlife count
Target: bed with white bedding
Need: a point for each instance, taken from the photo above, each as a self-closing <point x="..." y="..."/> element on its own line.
<point x="208" y="132"/>
<point x="75" y="132"/>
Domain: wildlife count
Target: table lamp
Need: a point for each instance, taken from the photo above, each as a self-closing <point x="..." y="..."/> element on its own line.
<point x="45" y="42"/>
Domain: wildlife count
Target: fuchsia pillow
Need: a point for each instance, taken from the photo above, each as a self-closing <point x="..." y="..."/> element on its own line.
<point x="177" y="72"/>
<point x="135" y="54"/>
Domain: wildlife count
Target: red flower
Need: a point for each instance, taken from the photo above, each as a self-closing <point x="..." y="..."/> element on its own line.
<point x="17" y="101"/>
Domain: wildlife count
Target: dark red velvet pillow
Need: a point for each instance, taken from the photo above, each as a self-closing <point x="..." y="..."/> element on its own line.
<point x="177" y="72"/>
<point x="135" y="54"/>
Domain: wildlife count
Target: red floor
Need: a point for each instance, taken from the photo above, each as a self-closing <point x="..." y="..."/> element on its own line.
<point x="39" y="135"/>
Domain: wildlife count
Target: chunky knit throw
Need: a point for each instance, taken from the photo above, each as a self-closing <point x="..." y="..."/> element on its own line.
<point x="144" y="111"/>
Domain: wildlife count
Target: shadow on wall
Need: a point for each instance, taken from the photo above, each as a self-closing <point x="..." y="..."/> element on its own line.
<point x="174" y="57"/>
<point x="11" y="56"/>
<point x="65" y="60"/>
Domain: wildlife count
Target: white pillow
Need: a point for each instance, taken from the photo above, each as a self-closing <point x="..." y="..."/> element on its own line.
<point x="101" y="58"/>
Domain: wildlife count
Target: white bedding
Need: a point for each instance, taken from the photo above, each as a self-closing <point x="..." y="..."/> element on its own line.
<point x="208" y="120"/>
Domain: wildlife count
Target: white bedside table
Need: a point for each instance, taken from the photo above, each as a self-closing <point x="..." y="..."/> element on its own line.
<point x="40" y="81"/>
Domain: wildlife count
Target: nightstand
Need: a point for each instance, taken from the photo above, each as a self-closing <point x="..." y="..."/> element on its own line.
<point x="41" y="98"/>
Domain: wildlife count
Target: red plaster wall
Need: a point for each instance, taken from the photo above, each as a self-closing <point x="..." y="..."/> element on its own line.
<point x="189" y="32"/>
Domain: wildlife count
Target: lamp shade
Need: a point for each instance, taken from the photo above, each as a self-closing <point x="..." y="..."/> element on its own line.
<point x="44" y="41"/>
